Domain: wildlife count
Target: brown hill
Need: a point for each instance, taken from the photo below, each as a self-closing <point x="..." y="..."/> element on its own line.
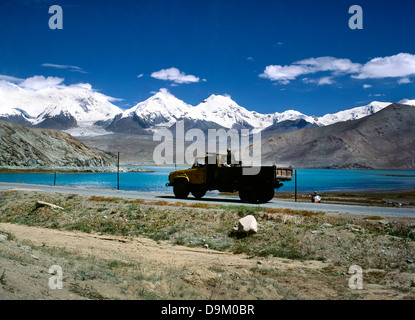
<point x="384" y="140"/>
<point x="29" y="148"/>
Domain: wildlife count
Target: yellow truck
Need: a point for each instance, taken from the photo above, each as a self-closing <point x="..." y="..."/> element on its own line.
<point x="208" y="173"/>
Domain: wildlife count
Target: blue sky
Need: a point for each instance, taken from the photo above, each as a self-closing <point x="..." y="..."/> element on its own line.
<point x="269" y="56"/>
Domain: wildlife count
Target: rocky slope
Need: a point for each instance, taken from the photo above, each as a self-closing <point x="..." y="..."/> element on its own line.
<point x="31" y="148"/>
<point x="384" y="140"/>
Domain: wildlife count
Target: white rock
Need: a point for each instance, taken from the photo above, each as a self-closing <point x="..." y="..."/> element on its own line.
<point x="247" y="224"/>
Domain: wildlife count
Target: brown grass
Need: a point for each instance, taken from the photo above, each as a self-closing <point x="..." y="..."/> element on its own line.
<point x="105" y="199"/>
<point x="374" y="218"/>
<point x="304" y="213"/>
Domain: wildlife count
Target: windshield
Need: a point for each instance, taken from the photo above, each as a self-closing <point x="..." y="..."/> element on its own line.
<point x="199" y="162"/>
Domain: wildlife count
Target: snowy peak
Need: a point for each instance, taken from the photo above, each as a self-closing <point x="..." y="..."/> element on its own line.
<point x="292" y="115"/>
<point x="81" y="108"/>
<point x="227" y="113"/>
<point x="163" y="108"/>
<point x="79" y="102"/>
<point x="408" y="102"/>
<point x="352" y="114"/>
<point x="83" y="105"/>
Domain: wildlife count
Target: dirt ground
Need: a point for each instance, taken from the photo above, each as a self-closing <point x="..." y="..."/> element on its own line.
<point x="106" y="264"/>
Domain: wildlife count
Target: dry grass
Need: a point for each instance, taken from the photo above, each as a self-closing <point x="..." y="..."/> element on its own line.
<point x="304" y="213"/>
<point x="293" y="234"/>
<point x="342" y="240"/>
<point x="105" y="199"/>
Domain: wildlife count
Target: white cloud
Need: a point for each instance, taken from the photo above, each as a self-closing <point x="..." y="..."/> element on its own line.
<point x="140" y="75"/>
<point x="250" y="59"/>
<point x="329" y="64"/>
<point x="400" y="65"/>
<point x="284" y="74"/>
<point x="366" y="86"/>
<point x="175" y="75"/>
<point x="325" y="80"/>
<point x="86" y="86"/>
<point x="404" y="80"/>
<point x="10" y="78"/>
<point x="40" y="82"/>
<point x="63" y="66"/>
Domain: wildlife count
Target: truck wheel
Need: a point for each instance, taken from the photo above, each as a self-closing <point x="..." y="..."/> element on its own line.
<point x="181" y="189"/>
<point x="247" y="194"/>
<point x="266" y="194"/>
<point x="198" y="194"/>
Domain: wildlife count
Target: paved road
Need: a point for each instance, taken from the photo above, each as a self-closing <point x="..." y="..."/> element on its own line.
<point x="216" y="199"/>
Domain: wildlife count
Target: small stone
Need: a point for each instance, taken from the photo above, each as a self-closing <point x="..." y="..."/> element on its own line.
<point x="327" y="225"/>
<point x="409" y="261"/>
<point x="314" y="231"/>
<point x="34" y="257"/>
<point x="206" y="246"/>
<point x="3" y="237"/>
<point x="260" y="262"/>
<point x="247" y="224"/>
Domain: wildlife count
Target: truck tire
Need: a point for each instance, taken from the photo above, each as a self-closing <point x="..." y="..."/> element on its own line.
<point x="199" y="193"/>
<point x="247" y="194"/>
<point x="181" y="189"/>
<point x="266" y="194"/>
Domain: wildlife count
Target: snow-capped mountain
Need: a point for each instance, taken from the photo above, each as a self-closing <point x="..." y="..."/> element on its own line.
<point x="351" y="114"/>
<point x="163" y="109"/>
<point x="228" y="114"/>
<point x="83" y="105"/>
<point x="80" y="110"/>
<point x="408" y="102"/>
<point x="60" y="107"/>
<point x="292" y="115"/>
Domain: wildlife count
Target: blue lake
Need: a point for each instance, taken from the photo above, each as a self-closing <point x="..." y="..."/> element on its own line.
<point x="307" y="180"/>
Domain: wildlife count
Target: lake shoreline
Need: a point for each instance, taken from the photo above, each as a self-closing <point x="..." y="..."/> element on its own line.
<point x="60" y="170"/>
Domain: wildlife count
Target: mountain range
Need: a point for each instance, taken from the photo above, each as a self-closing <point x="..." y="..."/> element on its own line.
<point x="384" y="140"/>
<point x="82" y="112"/>
<point x="378" y="135"/>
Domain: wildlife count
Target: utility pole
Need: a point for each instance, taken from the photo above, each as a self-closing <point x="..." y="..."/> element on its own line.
<point x="118" y="172"/>
<point x="295" y="185"/>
